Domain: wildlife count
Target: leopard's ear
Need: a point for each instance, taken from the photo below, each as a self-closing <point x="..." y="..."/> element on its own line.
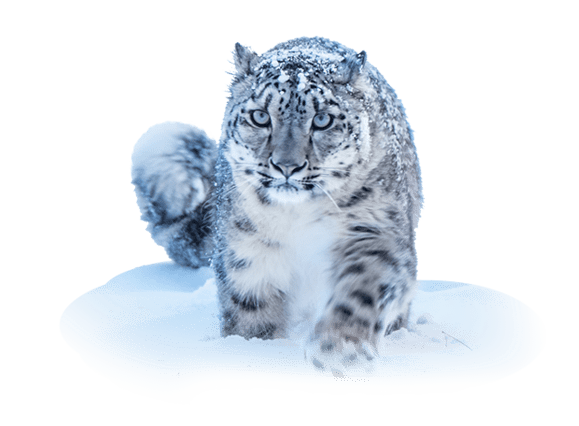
<point x="350" y="68"/>
<point x="245" y="59"/>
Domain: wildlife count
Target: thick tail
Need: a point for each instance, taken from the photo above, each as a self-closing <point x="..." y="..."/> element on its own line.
<point x="173" y="174"/>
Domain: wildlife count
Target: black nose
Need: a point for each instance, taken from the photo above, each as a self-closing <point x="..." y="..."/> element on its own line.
<point x="287" y="168"/>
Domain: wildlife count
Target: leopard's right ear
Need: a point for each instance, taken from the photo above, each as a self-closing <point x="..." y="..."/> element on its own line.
<point x="350" y="68"/>
<point x="245" y="59"/>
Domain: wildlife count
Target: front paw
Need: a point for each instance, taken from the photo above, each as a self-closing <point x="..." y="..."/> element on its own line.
<point x="337" y="354"/>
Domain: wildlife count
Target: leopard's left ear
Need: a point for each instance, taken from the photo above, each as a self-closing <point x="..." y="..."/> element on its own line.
<point x="245" y="59"/>
<point x="350" y="68"/>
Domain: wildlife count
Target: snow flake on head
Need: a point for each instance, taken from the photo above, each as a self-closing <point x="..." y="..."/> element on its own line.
<point x="302" y="81"/>
<point x="301" y="57"/>
<point x="283" y="77"/>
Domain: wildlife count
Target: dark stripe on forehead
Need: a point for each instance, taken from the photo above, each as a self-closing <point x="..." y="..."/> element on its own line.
<point x="254" y="97"/>
<point x="267" y="101"/>
<point x="316" y="104"/>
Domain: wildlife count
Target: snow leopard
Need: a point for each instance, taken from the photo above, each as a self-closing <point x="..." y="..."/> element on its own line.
<point x="307" y="207"/>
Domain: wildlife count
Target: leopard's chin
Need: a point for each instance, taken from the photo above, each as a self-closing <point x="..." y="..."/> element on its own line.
<point x="287" y="187"/>
<point x="288" y="194"/>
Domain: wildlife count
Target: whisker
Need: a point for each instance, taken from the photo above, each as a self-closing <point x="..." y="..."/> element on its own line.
<point x="254" y="165"/>
<point x="248" y="186"/>
<point x="352" y="173"/>
<point x="317" y="185"/>
<point x="338" y="169"/>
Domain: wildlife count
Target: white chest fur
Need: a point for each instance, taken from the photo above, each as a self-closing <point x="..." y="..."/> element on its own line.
<point x="291" y="253"/>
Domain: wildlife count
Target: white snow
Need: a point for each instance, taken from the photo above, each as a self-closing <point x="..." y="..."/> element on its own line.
<point x="302" y="81"/>
<point x="319" y="56"/>
<point x="283" y="77"/>
<point x="160" y="322"/>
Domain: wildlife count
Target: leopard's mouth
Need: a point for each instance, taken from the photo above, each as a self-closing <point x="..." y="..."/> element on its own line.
<point x="289" y="185"/>
<point x="286" y="187"/>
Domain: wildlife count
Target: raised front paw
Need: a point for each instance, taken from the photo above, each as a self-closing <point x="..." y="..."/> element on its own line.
<point x="340" y="354"/>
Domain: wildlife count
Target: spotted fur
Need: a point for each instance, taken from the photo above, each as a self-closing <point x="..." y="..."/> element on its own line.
<point x="309" y="206"/>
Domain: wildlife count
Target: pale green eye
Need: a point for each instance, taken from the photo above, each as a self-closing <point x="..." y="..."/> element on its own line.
<point x="260" y="118"/>
<point x="322" y="121"/>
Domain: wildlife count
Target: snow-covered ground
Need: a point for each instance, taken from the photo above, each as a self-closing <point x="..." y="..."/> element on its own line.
<point x="158" y="325"/>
